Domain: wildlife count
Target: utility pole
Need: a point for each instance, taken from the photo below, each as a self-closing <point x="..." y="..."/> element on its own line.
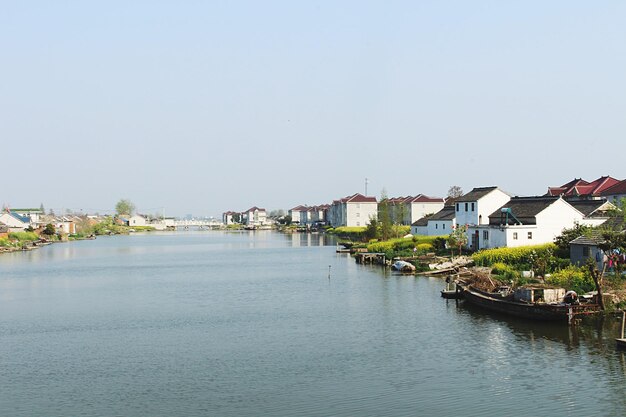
<point x="366" y="182"/>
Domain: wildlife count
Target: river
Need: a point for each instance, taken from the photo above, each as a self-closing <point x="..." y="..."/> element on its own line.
<point x="250" y="324"/>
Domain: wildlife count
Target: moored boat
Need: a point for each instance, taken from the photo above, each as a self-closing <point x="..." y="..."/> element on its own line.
<point x="504" y="301"/>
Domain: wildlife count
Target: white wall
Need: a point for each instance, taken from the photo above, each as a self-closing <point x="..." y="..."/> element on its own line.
<point x="440" y="227"/>
<point x="419" y="210"/>
<point x="359" y="214"/>
<point x="482" y="208"/>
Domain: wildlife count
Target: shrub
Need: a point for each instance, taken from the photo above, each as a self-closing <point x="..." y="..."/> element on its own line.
<point x="4" y="242"/>
<point x="24" y="236"/>
<point x="512" y="256"/>
<point x="505" y="271"/>
<point x="573" y="278"/>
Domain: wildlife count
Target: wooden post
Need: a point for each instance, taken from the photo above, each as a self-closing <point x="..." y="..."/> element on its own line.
<point x="623" y="321"/>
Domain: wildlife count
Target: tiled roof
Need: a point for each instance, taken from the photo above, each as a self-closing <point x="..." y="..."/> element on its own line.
<point x="254" y="209"/>
<point x="618" y="188"/>
<point x="446" y="213"/>
<point x="360" y="198"/>
<point x="421" y="222"/>
<point x="581" y="188"/>
<point x="587" y="207"/>
<point x="476" y="194"/>
<point x="299" y="208"/>
<point x="525" y="210"/>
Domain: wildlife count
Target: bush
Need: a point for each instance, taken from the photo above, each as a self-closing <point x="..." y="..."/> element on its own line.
<point x="4" y="242"/>
<point x="23" y="236"/>
<point x="512" y="256"/>
<point x="573" y="278"/>
<point x="505" y="271"/>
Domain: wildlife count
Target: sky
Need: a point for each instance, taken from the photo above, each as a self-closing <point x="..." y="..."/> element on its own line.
<point x="199" y="107"/>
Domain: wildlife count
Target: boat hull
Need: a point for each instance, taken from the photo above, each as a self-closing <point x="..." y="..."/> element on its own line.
<point x="546" y="312"/>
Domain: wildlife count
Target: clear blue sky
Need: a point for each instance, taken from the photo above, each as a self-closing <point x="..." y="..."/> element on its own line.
<point x="206" y="106"/>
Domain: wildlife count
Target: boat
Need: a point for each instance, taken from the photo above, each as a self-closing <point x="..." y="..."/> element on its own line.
<point x="403" y="266"/>
<point x="528" y="302"/>
<point x="452" y="290"/>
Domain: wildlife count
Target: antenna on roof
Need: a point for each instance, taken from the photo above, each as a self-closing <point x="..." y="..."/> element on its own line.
<point x="366" y="182"/>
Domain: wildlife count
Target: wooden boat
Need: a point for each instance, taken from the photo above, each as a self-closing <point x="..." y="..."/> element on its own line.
<point x="503" y="302"/>
<point x="452" y="290"/>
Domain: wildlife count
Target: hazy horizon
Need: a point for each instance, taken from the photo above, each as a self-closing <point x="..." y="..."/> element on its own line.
<point x="199" y="108"/>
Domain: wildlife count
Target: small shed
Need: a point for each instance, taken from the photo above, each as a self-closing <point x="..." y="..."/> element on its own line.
<point x="584" y="247"/>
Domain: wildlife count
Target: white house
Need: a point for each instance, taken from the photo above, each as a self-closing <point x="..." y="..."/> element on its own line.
<point x="526" y="221"/>
<point x="475" y="207"/>
<point x="14" y="221"/>
<point x="137" y="220"/>
<point x="354" y="210"/>
<point x="299" y="214"/>
<point x="254" y="216"/>
<point x="228" y="217"/>
<point x="411" y="209"/>
<point x="438" y="224"/>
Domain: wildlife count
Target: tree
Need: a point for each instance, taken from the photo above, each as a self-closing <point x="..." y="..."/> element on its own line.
<point x="236" y="217"/>
<point x="458" y="237"/>
<point x="49" y="230"/>
<point x="567" y="235"/>
<point x="43" y="210"/>
<point x="371" y="230"/>
<point x="455" y="191"/>
<point x="384" y="216"/>
<point x="125" y="207"/>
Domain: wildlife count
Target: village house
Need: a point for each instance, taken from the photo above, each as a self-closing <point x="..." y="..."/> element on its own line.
<point x="352" y="211"/>
<point x="137" y="220"/>
<point x="588" y="246"/>
<point x="15" y="222"/>
<point x="254" y="216"/>
<point x="533" y="220"/>
<point x="438" y="224"/>
<point x="581" y="189"/>
<point x="229" y="217"/>
<point x="407" y="210"/>
<point x="299" y="215"/>
<point x="475" y="207"/>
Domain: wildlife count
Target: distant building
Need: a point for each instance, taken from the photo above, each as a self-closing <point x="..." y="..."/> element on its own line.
<point x="581" y="189"/>
<point x="229" y="217"/>
<point x="354" y="210"/>
<point x="254" y="216"/>
<point x="407" y="210"/>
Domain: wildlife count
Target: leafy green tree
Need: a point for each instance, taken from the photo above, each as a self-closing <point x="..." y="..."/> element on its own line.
<point x="49" y="230"/>
<point x="567" y="235"/>
<point x="458" y="237"/>
<point x="125" y="207"/>
<point x="371" y="230"/>
<point x="384" y="216"/>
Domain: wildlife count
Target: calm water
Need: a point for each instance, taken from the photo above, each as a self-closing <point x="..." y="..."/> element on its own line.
<point x="248" y="324"/>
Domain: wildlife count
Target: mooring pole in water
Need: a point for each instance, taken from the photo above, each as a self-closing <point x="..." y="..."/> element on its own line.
<point x="623" y="321"/>
<point x="329" y="274"/>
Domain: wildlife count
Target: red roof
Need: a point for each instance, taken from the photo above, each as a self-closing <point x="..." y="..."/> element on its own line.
<point x="582" y="188"/>
<point x="359" y="198"/>
<point x="619" y="188"/>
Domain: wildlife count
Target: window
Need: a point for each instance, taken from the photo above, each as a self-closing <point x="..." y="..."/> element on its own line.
<point x="358" y="214"/>
<point x="514" y="235"/>
<point x="358" y="223"/>
<point x="436" y="225"/>
<point x="485" y="235"/>
<point x="472" y="206"/>
<point x="586" y="251"/>
<point x="530" y="235"/>
<point x="443" y="226"/>
<point x="466" y="206"/>
<point x="457" y="207"/>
